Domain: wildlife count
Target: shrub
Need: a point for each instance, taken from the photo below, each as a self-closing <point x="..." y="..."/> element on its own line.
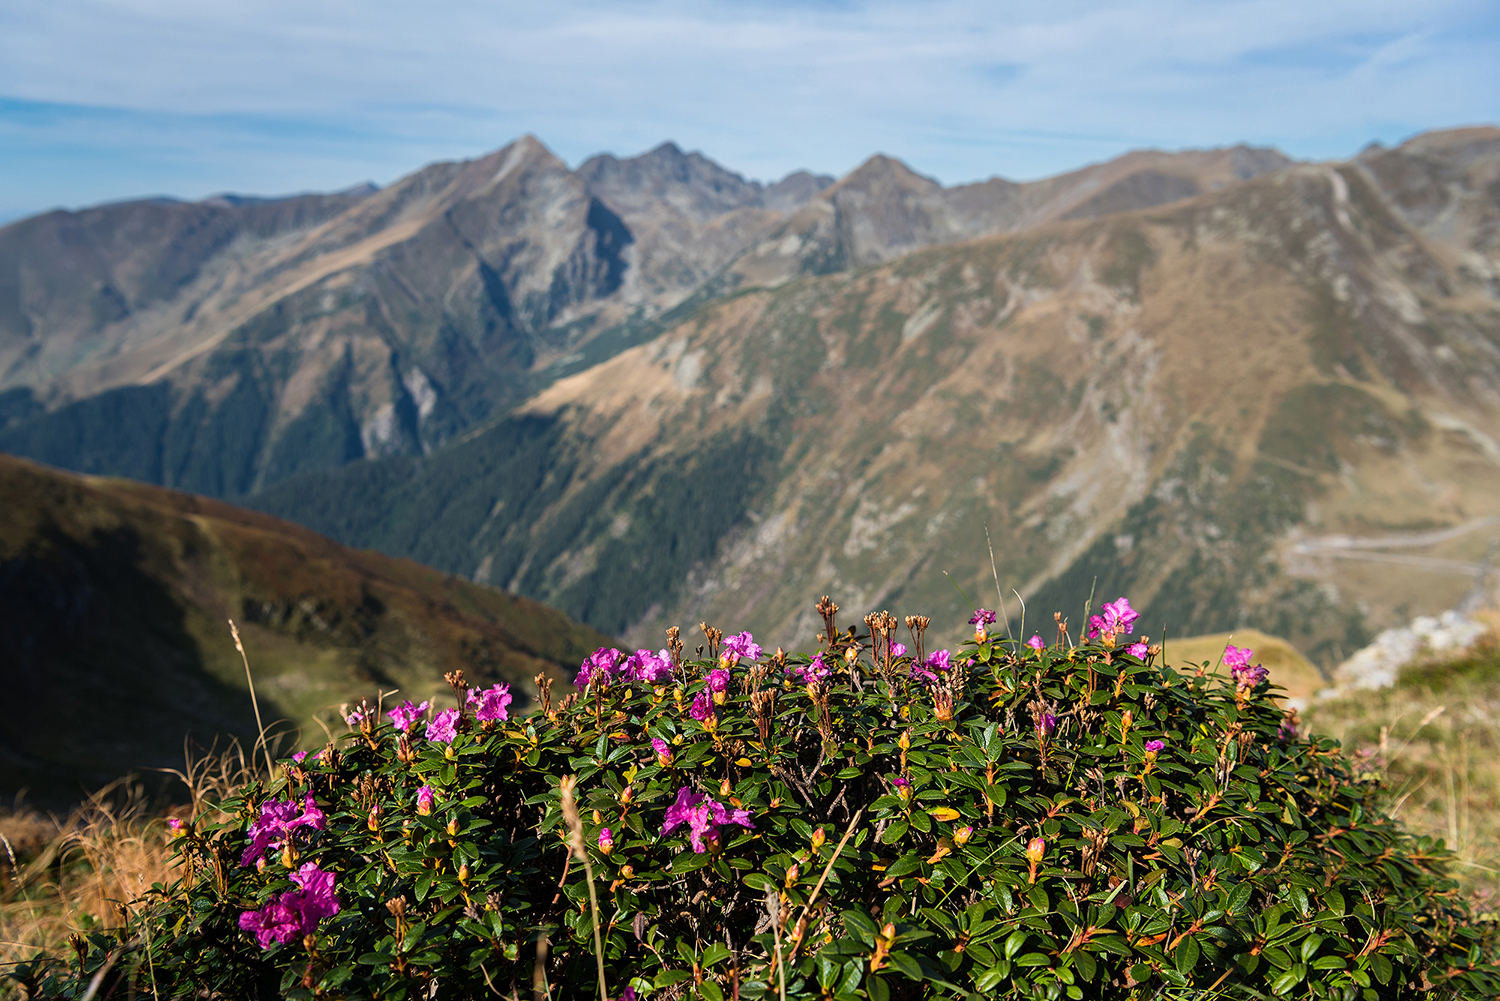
<point x="1011" y="820"/>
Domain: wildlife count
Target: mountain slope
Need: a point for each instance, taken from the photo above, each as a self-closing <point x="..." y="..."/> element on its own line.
<point x="113" y="600"/>
<point x="1176" y="403"/>
<point x="222" y="347"/>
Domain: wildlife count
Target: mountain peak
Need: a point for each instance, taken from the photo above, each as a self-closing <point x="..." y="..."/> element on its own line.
<point x="881" y="171"/>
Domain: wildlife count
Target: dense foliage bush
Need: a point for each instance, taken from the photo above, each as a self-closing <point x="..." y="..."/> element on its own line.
<point x="1014" y="820"/>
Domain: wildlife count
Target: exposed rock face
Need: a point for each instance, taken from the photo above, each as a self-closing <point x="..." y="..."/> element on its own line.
<point x="1176" y="404"/>
<point x="224" y="345"/>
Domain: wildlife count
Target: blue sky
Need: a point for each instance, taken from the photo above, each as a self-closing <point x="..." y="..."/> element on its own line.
<point x="108" y="99"/>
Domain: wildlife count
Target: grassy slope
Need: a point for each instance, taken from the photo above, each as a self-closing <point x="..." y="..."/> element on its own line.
<point x="1434" y="735"/>
<point x="113" y="601"/>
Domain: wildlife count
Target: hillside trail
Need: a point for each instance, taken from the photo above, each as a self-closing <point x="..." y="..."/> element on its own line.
<point x="1346" y="547"/>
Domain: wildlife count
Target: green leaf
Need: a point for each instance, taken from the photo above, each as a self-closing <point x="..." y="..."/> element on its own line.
<point x="716" y="953"/>
<point x="1186" y="955"/>
<point x="1284" y="983"/>
<point x="895" y="832"/>
<point x="710" y="990"/>
<point x="876" y="989"/>
<point x="666" y="978"/>
<point x="859" y="923"/>
<point x="1014" y="943"/>
<point x="906" y="964"/>
<point x="989" y="978"/>
<point x="1034" y="959"/>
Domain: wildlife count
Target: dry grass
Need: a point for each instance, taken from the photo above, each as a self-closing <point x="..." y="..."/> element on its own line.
<point x="61" y="877"/>
<point x="1435" y="737"/>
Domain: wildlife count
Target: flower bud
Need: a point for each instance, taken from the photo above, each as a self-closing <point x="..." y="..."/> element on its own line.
<point x="450" y="753"/>
<point x="1036" y="849"/>
<point x="598" y="817"/>
<point x="424" y="801"/>
<point x="373" y="821"/>
<point x="627" y="872"/>
<point x="289" y="856"/>
<point x="260" y="864"/>
<point x="452" y="827"/>
<point x="463" y="872"/>
<point x="792" y="874"/>
<point x="606" y="841"/>
<point x="818" y="839"/>
<point x="627" y="796"/>
<point x="851" y="654"/>
<point x="905" y="740"/>
<point x="962" y="835"/>
<point x="725" y="788"/>
<point x="176" y="828"/>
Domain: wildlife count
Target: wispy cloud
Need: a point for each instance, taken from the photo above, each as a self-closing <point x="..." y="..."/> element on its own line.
<point x="106" y="98"/>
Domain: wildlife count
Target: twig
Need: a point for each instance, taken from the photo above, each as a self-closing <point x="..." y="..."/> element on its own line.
<point x="813" y="897"/>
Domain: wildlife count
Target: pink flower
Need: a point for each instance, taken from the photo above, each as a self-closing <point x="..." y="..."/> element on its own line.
<point x="1154" y="747"/>
<point x="425" y="799"/>
<point x="649" y="668"/>
<point x="702" y="708"/>
<point x="492" y="703"/>
<point x="1036" y="643"/>
<point x="599" y="667"/>
<point x="815" y="671"/>
<point x="703" y="816"/>
<point x="1236" y="658"/>
<point x="355" y="718"/>
<point x="1245" y="677"/>
<point x="443" y="728"/>
<point x="606" y="841"/>
<point x="629" y="994"/>
<point x="1117" y="618"/>
<point x="277" y="820"/>
<point x="1046" y="726"/>
<point x="663" y="751"/>
<point x="300" y="757"/>
<point x="902" y="787"/>
<point x="404" y="715"/>
<point x="937" y="664"/>
<point x="743" y="647"/>
<point x="898" y="650"/>
<point x="982" y="617"/>
<point x="718" y="680"/>
<point x="294" y="914"/>
<point x="1137" y="650"/>
<point x="177" y="827"/>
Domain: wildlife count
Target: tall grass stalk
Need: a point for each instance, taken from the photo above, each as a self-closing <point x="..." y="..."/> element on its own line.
<point x="260" y="727"/>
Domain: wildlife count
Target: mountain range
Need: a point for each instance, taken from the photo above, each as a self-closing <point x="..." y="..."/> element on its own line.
<point x="1241" y="389"/>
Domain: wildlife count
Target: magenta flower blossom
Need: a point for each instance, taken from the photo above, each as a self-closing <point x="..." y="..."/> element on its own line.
<point x="1046" y="726"/>
<point x="1036" y="643"/>
<point x="702" y="707"/>
<point x="443" y="728"/>
<point x="598" y="667"/>
<point x="492" y="703"/>
<point x="355" y="718"/>
<point x="898" y="650"/>
<point x="277" y="820"/>
<point x="649" y="668"/>
<point x="177" y="828"/>
<point x="1154" y="747"/>
<point x="902" y="787"/>
<point x="1237" y="657"/>
<point x="1137" y="650"/>
<point x="294" y="914"/>
<point x="814" y="672"/>
<point x="937" y="664"/>
<point x="425" y="800"/>
<point x="982" y="617"/>
<point x="1245" y="676"/>
<point x="718" y="680"/>
<point x="404" y="715"/>
<point x="1117" y="617"/>
<point x="629" y="994"/>
<point x="703" y="816"/>
<point x="663" y="751"/>
<point x="743" y="647"/>
<point x="606" y="841"/>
